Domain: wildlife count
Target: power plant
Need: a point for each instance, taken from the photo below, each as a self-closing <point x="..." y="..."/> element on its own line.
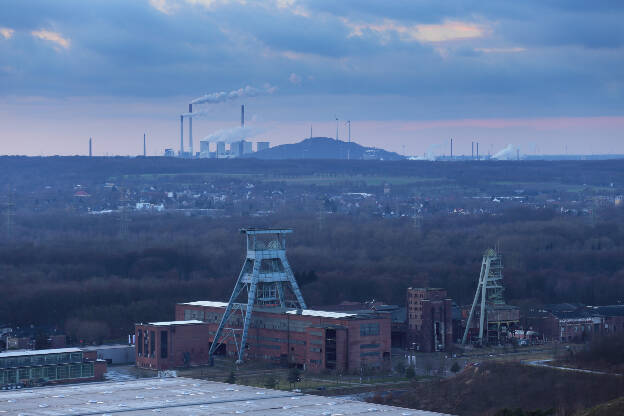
<point x="234" y="137"/>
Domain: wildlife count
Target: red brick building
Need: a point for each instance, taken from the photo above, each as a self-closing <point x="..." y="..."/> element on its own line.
<point x="429" y="319"/>
<point x="316" y="340"/>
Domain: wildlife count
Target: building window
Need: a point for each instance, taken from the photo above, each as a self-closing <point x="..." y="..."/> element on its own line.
<point x="370" y="354"/>
<point x="140" y="343"/>
<point x="163" y="344"/>
<point x="369" y="329"/>
<point x="87" y="370"/>
<point x="368" y="346"/>
<point x="152" y="343"/>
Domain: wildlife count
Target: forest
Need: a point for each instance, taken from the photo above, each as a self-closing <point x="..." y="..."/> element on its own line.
<point x="94" y="276"/>
<point x="77" y="273"/>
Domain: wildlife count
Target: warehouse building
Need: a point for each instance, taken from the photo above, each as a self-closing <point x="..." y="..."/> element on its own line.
<point x="311" y="339"/>
<point x="38" y="367"/>
<point x="183" y="396"/>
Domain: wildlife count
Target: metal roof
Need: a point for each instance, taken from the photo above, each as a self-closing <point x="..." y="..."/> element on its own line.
<point x="266" y="231"/>
<point x="182" y="397"/>
<point x="321" y="314"/>
<point x="21" y="353"/>
<point x="169" y="323"/>
<point x="304" y="312"/>
<point x="206" y="303"/>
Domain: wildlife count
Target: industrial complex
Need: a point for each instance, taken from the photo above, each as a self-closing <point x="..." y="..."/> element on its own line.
<point x="238" y="146"/>
<point x="271" y="322"/>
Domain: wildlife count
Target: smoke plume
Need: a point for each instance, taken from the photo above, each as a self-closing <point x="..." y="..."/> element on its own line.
<point x="508" y="153"/>
<point x="222" y="96"/>
<point x="233" y="135"/>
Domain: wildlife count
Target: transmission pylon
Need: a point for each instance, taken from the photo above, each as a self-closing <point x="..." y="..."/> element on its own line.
<point x="267" y="279"/>
<point x="489" y="290"/>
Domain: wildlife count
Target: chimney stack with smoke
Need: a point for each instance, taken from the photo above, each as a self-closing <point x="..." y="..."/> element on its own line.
<point x="191" y="129"/>
<point x="243" y="115"/>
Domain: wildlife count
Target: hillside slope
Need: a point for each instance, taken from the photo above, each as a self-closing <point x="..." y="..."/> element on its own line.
<point x="324" y="148"/>
<point x="484" y="390"/>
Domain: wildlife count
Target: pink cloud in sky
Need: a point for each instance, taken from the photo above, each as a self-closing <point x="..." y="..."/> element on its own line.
<point x="552" y="123"/>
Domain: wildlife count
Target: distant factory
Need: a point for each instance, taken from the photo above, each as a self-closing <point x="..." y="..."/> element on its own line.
<point x="224" y="144"/>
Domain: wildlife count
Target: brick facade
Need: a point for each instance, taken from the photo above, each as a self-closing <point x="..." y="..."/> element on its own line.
<point x="316" y="340"/>
<point x="429" y="319"/>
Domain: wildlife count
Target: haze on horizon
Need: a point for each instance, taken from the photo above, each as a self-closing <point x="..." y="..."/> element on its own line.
<point x="545" y="76"/>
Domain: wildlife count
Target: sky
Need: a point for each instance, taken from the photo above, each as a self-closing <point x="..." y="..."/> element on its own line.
<point x="543" y="75"/>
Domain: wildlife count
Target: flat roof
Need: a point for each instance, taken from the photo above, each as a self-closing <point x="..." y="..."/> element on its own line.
<point x="266" y="230"/>
<point x="20" y="353"/>
<point x="304" y="312"/>
<point x="169" y="323"/>
<point x="106" y="347"/>
<point x="206" y="303"/>
<point x="321" y="314"/>
<point x="182" y="396"/>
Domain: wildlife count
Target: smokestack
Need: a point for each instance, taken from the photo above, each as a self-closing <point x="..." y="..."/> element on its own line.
<point x="472" y="149"/>
<point x="191" y="129"/>
<point x="181" y="135"/>
<point x="144" y="149"/>
<point x="451" y="149"/>
<point x="477" y="150"/>
<point x="90" y="148"/>
<point x="243" y="115"/>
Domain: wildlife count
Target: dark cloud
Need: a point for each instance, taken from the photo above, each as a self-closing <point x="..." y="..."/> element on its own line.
<point x="566" y="53"/>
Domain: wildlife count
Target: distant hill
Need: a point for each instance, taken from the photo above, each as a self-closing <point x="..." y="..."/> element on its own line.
<point x="324" y="148"/>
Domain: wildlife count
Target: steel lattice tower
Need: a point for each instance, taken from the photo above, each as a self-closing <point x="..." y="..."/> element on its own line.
<point x="267" y="278"/>
<point x="490" y="289"/>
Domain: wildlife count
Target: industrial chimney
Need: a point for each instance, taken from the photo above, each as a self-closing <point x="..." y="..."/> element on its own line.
<point x="243" y="115"/>
<point x="90" y="153"/>
<point x="191" y="129"/>
<point x="144" y="149"/>
<point x="181" y="136"/>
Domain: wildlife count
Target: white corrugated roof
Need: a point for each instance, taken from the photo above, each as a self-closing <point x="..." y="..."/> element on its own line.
<point x="207" y="303"/>
<point x="38" y="352"/>
<point x="305" y="312"/>
<point x="321" y="314"/>
<point x="168" y="323"/>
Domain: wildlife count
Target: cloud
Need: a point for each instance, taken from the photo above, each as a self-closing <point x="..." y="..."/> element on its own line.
<point x="294" y="79"/>
<point x="424" y="33"/>
<point x="52" y="37"/>
<point x="6" y="32"/>
<point x="164" y="6"/>
<point x="500" y="50"/>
